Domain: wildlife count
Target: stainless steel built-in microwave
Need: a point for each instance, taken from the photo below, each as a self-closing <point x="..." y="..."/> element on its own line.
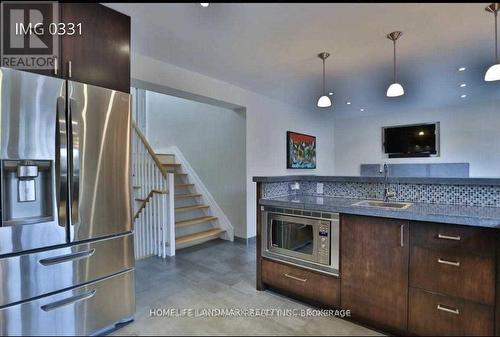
<point x="307" y="239"/>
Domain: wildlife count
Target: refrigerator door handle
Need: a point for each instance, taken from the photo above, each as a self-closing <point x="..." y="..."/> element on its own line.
<point x="61" y="162"/>
<point x="74" y="139"/>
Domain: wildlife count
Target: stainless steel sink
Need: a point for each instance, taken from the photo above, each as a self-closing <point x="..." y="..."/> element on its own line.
<point x="383" y="204"/>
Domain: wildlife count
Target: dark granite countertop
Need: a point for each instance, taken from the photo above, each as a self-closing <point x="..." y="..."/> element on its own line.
<point x="408" y="180"/>
<point x="452" y="214"/>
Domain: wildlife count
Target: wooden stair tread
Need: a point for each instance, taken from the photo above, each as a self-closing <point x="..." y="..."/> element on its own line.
<point x="211" y="233"/>
<point x="183" y="185"/>
<point x="171" y="164"/>
<point x="187" y="195"/>
<point x="180" y="174"/>
<point x="190" y="208"/>
<point x="195" y="221"/>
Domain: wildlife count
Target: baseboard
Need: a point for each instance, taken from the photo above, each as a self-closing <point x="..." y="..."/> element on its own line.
<point x="246" y="241"/>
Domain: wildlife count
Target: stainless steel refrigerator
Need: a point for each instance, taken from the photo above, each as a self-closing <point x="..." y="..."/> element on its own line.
<point x="66" y="246"/>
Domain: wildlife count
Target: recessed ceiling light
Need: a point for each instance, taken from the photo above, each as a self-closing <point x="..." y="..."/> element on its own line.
<point x="463" y="85"/>
<point x="361" y="109"/>
<point x="462" y="69"/>
<point x="463" y="96"/>
<point x="348" y="103"/>
<point x="330" y="93"/>
<point x="204" y="4"/>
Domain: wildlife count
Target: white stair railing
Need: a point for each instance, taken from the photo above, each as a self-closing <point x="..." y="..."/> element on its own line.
<point x="154" y="219"/>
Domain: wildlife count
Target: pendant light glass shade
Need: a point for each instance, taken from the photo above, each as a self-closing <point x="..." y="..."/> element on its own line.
<point x="395" y="89"/>
<point x="324" y="101"/>
<point x="493" y="72"/>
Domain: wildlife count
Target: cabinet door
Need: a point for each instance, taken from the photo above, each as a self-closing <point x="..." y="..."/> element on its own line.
<point x="374" y="270"/>
<point x="101" y="54"/>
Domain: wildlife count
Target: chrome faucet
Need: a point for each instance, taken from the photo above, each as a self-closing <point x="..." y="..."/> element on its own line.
<point x="387" y="194"/>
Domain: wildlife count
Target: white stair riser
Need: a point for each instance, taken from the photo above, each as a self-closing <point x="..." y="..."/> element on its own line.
<point x="188" y="202"/>
<point x="179" y="216"/>
<point x="197" y="242"/>
<point x="166" y="158"/>
<point x="194" y="228"/>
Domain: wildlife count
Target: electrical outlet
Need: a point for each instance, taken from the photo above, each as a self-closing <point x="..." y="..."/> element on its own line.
<point x="319" y="188"/>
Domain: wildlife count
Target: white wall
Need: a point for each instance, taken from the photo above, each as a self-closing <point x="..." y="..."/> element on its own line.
<point x="213" y="141"/>
<point x="267" y="122"/>
<point x="470" y="133"/>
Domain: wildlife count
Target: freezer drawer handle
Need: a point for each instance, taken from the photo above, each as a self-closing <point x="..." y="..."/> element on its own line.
<point x="68" y="257"/>
<point x="68" y="301"/>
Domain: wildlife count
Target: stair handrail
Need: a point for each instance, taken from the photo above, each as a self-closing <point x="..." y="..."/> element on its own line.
<point x="149" y="149"/>
<point x="146" y="200"/>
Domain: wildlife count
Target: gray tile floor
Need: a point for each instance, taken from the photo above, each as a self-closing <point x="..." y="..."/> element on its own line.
<point x="218" y="274"/>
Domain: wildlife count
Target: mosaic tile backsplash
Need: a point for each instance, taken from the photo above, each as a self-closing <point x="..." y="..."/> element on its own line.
<point x="420" y="193"/>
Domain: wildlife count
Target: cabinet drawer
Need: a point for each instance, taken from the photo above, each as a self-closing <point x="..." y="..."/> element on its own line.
<point x="40" y="273"/>
<point x="320" y="289"/>
<point x="452" y="237"/>
<point x="468" y="276"/>
<point x="432" y="314"/>
<point x="80" y="311"/>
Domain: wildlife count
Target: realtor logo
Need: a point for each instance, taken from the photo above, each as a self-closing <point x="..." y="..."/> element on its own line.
<point x="26" y="39"/>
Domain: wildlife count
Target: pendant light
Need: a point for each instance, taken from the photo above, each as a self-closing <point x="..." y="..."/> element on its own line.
<point x="324" y="101"/>
<point x="395" y="89"/>
<point x="493" y="72"/>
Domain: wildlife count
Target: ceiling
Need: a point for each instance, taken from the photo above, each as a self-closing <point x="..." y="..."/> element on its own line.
<point x="272" y="49"/>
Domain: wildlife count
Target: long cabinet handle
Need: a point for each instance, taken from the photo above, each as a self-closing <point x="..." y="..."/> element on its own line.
<point x="296" y="278"/>
<point x="68" y="257"/>
<point x="56" y="70"/>
<point x="68" y="301"/>
<point x="449" y="237"/>
<point x="402" y="235"/>
<point x="449" y="263"/>
<point x="69" y="69"/>
<point x="450" y="310"/>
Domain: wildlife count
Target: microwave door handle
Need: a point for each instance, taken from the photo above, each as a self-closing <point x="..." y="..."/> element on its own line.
<point x="74" y="137"/>
<point x="61" y="162"/>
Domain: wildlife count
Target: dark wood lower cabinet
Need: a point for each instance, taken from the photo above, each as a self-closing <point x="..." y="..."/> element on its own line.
<point x="468" y="276"/>
<point x="439" y="315"/>
<point x="404" y="277"/>
<point x="307" y="285"/>
<point x="374" y="270"/>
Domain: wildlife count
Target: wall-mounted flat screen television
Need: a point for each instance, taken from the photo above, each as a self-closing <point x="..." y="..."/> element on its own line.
<point x="419" y="140"/>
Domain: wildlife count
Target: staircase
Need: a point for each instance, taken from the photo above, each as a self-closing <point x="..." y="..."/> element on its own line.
<point x="170" y="212"/>
<point x="194" y="223"/>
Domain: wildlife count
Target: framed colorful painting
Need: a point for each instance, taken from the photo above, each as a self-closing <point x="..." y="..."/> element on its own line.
<point x="301" y="151"/>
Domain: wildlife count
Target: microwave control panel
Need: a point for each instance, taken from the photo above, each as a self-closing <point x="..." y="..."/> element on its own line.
<point x="324" y="242"/>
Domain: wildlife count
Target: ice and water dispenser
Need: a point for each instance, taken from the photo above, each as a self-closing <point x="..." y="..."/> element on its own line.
<point x="26" y="191"/>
